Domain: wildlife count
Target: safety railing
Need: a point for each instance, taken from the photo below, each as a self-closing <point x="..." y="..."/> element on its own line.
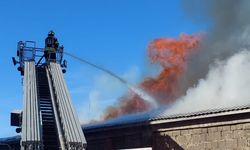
<point x="27" y="51"/>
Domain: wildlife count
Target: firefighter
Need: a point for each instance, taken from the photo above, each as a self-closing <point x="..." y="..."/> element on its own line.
<point x="51" y="45"/>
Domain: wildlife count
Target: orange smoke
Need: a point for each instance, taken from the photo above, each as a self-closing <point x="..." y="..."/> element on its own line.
<point x="130" y="103"/>
<point x="171" y="55"/>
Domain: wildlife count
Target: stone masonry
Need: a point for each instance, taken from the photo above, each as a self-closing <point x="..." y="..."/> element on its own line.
<point x="234" y="135"/>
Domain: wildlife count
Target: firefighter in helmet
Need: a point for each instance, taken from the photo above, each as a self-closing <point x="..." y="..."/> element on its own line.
<point x="51" y="45"/>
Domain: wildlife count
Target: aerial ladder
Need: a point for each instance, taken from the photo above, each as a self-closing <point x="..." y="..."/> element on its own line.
<point x="48" y="120"/>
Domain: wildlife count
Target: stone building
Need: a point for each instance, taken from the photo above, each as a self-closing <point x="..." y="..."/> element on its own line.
<point x="213" y="129"/>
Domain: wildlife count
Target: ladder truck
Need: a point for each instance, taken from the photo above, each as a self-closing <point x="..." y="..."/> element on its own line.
<point x="48" y="120"/>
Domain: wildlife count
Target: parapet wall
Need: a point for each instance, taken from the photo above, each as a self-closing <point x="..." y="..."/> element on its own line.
<point x="230" y="135"/>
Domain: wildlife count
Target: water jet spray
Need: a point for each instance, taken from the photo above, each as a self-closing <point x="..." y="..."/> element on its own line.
<point x="140" y="92"/>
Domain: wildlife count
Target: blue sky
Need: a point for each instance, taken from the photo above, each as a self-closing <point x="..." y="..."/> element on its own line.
<point x="111" y="33"/>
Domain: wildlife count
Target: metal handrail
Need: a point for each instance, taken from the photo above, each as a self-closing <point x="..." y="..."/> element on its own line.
<point x="29" y="53"/>
<point x="57" y="119"/>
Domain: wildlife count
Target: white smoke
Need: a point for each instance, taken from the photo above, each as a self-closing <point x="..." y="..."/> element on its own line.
<point x="226" y="84"/>
<point x="104" y="92"/>
<point x="228" y="30"/>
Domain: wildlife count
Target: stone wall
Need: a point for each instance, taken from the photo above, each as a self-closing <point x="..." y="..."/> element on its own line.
<point x="225" y="135"/>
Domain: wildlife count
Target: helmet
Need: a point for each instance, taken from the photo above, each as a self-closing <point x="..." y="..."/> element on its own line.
<point x="51" y="33"/>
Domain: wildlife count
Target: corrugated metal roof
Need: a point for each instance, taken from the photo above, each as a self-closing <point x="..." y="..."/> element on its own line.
<point x="155" y="115"/>
<point x="126" y="119"/>
<point x="218" y="111"/>
<point x="163" y="114"/>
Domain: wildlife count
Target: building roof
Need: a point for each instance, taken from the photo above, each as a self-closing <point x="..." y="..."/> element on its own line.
<point x="219" y="111"/>
<point x="126" y="119"/>
<point x="10" y="139"/>
<point x="155" y="115"/>
<point x="163" y="115"/>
